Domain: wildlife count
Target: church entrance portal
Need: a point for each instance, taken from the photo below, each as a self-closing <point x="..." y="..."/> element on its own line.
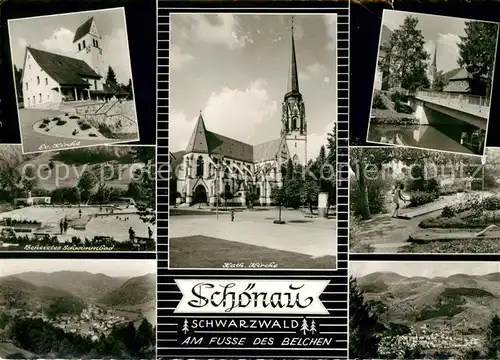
<point x="200" y="195"/>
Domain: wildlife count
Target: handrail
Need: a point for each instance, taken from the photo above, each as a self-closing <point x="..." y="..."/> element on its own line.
<point x="456" y="98"/>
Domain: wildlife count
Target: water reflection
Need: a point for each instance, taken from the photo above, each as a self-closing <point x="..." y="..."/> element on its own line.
<point x="435" y="137"/>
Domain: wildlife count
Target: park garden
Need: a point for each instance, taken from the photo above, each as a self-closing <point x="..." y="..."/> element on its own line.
<point x="451" y="200"/>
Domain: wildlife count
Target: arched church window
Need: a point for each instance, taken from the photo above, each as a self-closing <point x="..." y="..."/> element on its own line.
<point x="295" y="159"/>
<point x="199" y="166"/>
<point x="294" y="123"/>
<point x="227" y="188"/>
<point x="258" y="191"/>
<point x="226" y="173"/>
<point x="38" y="80"/>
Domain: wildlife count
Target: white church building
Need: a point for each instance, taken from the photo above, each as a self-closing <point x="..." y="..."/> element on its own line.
<point x="50" y="78"/>
<point x="213" y="164"/>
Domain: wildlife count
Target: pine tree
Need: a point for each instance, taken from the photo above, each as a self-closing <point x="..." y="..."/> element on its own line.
<point x="312" y="329"/>
<point x="477" y="52"/>
<point x="493" y="338"/>
<point x="407" y="59"/>
<point x="364" y="326"/>
<point x="111" y="76"/>
<point x="304" y="328"/>
<point x="185" y="327"/>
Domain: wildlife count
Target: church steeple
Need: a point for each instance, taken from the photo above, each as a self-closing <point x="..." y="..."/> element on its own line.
<point x="433" y="67"/>
<point x="293" y="79"/>
<point x="435" y="55"/>
<point x="293" y="119"/>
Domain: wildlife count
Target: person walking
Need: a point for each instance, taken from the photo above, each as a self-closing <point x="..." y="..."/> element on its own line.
<point x="65" y="225"/>
<point x="150" y="232"/>
<point x="80" y="213"/>
<point x="398" y="195"/>
<point x="131" y="234"/>
<point x="61" y="225"/>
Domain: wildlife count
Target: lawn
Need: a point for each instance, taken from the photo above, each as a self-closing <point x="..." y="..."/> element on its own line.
<point x="206" y="252"/>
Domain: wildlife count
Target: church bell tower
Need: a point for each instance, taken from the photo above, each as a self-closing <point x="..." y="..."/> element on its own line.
<point x="294" y="126"/>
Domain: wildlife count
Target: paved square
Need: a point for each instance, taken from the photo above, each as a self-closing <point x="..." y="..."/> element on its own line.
<point x="313" y="237"/>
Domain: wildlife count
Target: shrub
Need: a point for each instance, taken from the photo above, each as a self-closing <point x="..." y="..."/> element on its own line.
<point x="398" y="95"/>
<point x="56" y="119"/>
<point x="420" y="198"/>
<point x="448" y="212"/>
<point x="74" y="132"/>
<point x="431" y="185"/>
<point x="60" y="122"/>
<point x="83" y="125"/>
<point x="46" y="121"/>
<point x="92" y="135"/>
<point x="403" y="108"/>
<point x="377" y="101"/>
<point x="491" y="203"/>
<point x="47" y="129"/>
<point x="74" y="117"/>
<point x="42" y="126"/>
<point x="66" y="114"/>
<point x="390" y="117"/>
<point x="106" y="131"/>
<point x="377" y="190"/>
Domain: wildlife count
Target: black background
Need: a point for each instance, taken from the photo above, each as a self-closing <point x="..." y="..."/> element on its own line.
<point x="365" y="25"/>
<point x="141" y="29"/>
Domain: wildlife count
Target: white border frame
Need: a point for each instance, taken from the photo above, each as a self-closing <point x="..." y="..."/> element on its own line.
<point x="203" y="11"/>
<point x="99" y="252"/>
<point x="409" y="13"/>
<point x="122" y="9"/>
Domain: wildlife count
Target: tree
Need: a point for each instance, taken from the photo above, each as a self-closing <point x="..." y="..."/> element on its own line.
<point x="309" y="192"/>
<point x="406" y="60"/>
<point x="304" y="327"/>
<point x="129" y="89"/>
<point x="364" y="326"/>
<point x="477" y="50"/>
<point x="29" y="179"/>
<point x="279" y="197"/>
<point x="86" y="184"/>
<point x="493" y="338"/>
<point x="111" y="76"/>
<point x="440" y="82"/>
<point x="145" y="180"/>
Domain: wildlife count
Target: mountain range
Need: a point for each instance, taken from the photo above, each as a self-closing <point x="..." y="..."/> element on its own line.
<point x="466" y="302"/>
<point x="29" y="290"/>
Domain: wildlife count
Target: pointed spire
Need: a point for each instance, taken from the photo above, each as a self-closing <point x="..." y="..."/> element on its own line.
<point x="293" y="80"/>
<point x="198" y="141"/>
<point x="435" y="54"/>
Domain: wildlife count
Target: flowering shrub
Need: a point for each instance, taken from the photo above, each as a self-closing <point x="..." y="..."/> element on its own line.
<point x="422" y="197"/>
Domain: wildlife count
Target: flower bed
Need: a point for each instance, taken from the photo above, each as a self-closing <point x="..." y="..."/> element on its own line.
<point x="473" y="213"/>
<point x="462" y="246"/>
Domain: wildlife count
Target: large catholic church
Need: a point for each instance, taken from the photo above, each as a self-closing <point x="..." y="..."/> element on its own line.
<point x="213" y="165"/>
<point x="50" y="78"/>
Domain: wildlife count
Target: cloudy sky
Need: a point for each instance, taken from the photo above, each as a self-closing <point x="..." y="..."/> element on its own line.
<point x="441" y="30"/>
<point x="426" y="269"/>
<point x="234" y="68"/>
<point x="56" y="33"/>
<point x="110" y="267"/>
